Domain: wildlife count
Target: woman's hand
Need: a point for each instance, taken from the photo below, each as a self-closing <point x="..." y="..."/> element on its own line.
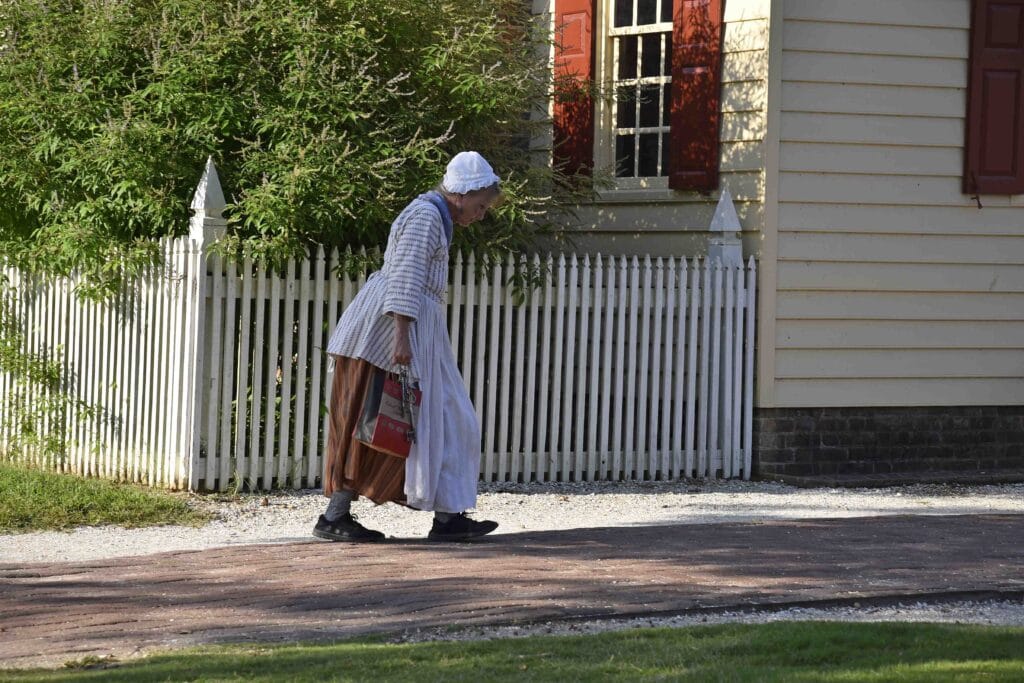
<point x="402" y="354"/>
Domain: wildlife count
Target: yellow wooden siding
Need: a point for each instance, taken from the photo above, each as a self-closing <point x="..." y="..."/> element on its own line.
<point x="875" y="70"/>
<point x="813" y="157"/>
<point x="907" y="41"/>
<point x="871" y="99"/>
<point x="666" y="216"/>
<point x="663" y="243"/>
<point x="874" y="308"/>
<point x="891" y="286"/>
<point x="886" y="364"/>
<point x="901" y="277"/>
<point x="910" y="249"/>
<point x="901" y="334"/>
<point x="874" y="13"/>
<point x="964" y="220"/>
<point x="867" y="129"/>
<point x="958" y="391"/>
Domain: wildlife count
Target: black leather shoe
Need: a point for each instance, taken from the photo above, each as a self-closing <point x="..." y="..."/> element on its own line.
<point x="460" y="528"/>
<point x="345" y="529"/>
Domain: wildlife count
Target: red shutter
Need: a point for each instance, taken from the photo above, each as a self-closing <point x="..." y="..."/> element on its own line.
<point x="994" y="148"/>
<point x="574" y="70"/>
<point x="696" y="85"/>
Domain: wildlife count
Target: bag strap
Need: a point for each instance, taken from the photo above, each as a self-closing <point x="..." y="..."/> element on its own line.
<point x="408" y="398"/>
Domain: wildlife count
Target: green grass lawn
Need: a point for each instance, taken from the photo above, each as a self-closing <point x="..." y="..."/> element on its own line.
<point x="33" y="500"/>
<point x="795" y="651"/>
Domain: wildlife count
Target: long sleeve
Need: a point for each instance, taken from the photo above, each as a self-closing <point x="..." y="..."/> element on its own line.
<point x="415" y="243"/>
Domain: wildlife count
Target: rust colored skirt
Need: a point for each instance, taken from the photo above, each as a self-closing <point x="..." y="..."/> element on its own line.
<point x="351" y="465"/>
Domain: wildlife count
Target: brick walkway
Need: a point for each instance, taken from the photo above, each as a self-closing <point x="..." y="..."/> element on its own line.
<point x="50" y="613"/>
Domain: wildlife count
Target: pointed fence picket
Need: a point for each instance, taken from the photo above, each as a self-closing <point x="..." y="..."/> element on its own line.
<point x="211" y="374"/>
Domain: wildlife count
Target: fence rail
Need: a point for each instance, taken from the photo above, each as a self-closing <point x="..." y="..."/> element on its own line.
<point x="212" y="374"/>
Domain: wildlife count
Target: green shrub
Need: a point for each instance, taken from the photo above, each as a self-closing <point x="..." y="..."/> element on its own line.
<point x="323" y="118"/>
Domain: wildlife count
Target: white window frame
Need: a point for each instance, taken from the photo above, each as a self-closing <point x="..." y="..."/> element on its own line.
<point x="604" y="121"/>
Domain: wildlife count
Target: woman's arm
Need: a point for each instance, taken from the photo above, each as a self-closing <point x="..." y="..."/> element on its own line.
<point x="402" y="354"/>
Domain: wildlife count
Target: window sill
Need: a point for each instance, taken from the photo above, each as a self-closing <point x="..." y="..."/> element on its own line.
<point x="652" y="195"/>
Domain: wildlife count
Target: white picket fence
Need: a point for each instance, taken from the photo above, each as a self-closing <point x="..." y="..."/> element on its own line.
<point x="212" y="374"/>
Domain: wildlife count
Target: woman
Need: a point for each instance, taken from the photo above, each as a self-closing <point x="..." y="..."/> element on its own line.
<point x="398" y="318"/>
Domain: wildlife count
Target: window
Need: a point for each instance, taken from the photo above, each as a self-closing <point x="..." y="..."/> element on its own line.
<point x="661" y="59"/>
<point x="641" y="39"/>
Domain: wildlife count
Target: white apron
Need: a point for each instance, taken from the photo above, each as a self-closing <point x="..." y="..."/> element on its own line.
<point x="444" y="464"/>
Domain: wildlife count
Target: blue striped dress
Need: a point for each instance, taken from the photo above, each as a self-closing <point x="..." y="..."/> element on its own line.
<point x="444" y="464"/>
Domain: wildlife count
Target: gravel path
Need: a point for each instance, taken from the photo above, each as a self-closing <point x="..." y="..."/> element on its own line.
<point x="289" y="516"/>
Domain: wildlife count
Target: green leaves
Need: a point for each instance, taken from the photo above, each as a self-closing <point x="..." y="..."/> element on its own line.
<point x="324" y="120"/>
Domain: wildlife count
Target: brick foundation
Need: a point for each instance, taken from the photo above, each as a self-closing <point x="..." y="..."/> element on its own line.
<point x="889" y="445"/>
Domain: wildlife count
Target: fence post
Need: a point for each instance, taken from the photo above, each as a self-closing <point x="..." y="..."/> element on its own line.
<point x="727" y="250"/>
<point x="206" y="226"/>
<point x="726" y="247"/>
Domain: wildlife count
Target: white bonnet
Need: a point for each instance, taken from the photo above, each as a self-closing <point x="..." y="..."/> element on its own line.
<point x="468" y="171"/>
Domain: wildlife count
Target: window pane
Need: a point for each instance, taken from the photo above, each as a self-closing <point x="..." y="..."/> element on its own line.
<point x="666" y="105"/>
<point x="666" y="10"/>
<point x="649" y="101"/>
<point x="623" y="12"/>
<point x="625" y="107"/>
<point x="627" y="57"/>
<point x="667" y="68"/>
<point x="651" y="59"/>
<point x="624" y="156"/>
<point x="649" y="154"/>
<point x="646" y="12"/>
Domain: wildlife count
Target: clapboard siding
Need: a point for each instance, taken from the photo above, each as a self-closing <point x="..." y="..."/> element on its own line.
<point x="906" y="13"/>
<point x="742" y="35"/>
<point x="745" y="66"/>
<point x="869" y="129"/>
<point x="964" y="219"/>
<point x="910" y="249"/>
<point x="890" y="287"/>
<point x="742" y="127"/>
<point x="890" y="364"/>
<point x="911" y="392"/>
<point x="743" y="97"/>
<point x="876" y="309"/>
<point x="900" y="277"/>
<point x="746" y="155"/>
<point x="665" y="216"/>
<point x="928" y="334"/>
<point x="897" y="191"/>
<point x="747" y="10"/>
<point x="890" y="100"/>
<point x="821" y="67"/>
<point x="663" y="242"/>
<point x="905" y="41"/>
<point x="843" y="158"/>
